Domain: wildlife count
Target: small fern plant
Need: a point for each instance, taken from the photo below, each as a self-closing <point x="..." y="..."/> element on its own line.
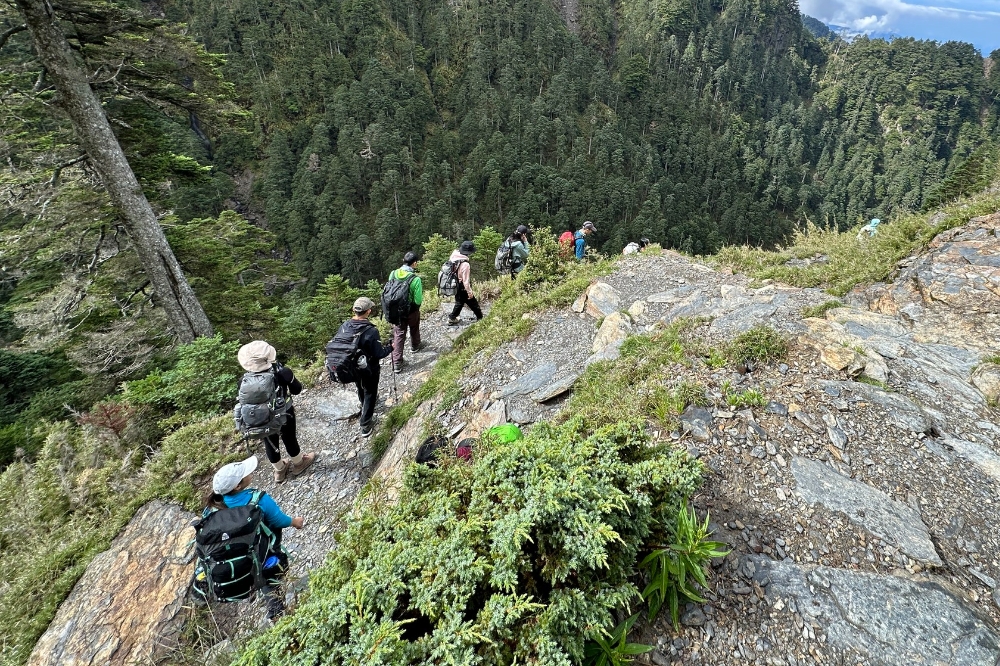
<point x="672" y="569"/>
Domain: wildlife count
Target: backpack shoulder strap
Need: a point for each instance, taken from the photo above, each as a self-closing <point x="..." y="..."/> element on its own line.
<point x="255" y="498"/>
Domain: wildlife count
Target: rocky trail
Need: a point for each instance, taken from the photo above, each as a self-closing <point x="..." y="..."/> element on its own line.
<point x="861" y="503"/>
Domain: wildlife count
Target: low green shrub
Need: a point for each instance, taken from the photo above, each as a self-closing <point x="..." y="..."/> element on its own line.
<point x="203" y="380"/>
<point x="820" y="310"/>
<point x="760" y="344"/>
<point x="521" y="557"/>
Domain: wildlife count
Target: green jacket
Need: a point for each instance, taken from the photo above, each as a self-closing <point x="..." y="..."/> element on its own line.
<point x="416" y="286"/>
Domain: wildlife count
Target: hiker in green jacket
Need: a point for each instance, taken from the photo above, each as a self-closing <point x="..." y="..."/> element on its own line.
<point x="412" y="320"/>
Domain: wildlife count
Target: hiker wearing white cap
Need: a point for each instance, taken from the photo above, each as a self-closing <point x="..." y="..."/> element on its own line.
<point x="367" y="373"/>
<point x="259" y="357"/>
<point x="231" y="488"/>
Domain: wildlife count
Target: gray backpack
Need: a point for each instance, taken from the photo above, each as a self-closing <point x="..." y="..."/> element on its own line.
<point x="261" y="408"/>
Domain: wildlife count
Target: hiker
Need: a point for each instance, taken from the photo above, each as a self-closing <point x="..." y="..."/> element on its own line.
<point x="580" y="238"/>
<point x="512" y="253"/>
<point x="635" y="248"/>
<point x="231" y="489"/>
<point x="260" y="357"/>
<point x="870" y="229"/>
<point x="415" y="296"/>
<point x="366" y="372"/>
<point x="464" y="296"/>
<point x="519" y="249"/>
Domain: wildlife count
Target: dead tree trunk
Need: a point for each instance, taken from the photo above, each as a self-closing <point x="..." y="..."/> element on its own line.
<point x="172" y="291"/>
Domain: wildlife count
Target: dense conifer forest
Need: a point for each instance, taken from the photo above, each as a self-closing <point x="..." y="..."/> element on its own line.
<point x="293" y="151"/>
<point x="290" y="147"/>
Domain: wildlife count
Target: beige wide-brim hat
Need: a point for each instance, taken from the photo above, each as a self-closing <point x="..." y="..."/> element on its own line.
<point x="256" y="356"/>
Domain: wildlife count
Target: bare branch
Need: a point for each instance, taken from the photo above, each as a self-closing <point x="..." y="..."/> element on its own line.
<point x="59" y="167"/>
<point x="4" y="36"/>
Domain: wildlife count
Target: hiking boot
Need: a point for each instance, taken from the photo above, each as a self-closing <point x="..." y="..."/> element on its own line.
<point x="398" y="366"/>
<point x="275" y="607"/>
<point x="299" y="463"/>
<point x="453" y="321"/>
<point x="280" y="471"/>
<point x="367" y="430"/>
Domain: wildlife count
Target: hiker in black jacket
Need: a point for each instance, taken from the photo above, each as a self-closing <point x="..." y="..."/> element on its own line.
<point x="372" y="351"/>
<point x="259" y="356"/>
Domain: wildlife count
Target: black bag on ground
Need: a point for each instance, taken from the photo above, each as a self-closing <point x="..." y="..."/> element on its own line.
<point x="396" y="301"/>
<point x="343" y="353"/>
<point x="231" y="547"/>
<point x="427" y="453"/>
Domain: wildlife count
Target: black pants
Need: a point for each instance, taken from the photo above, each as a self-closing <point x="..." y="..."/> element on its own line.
<point x="287" y="436"/>
<point x="367" y="384"/>
<point x="462" y="298"/>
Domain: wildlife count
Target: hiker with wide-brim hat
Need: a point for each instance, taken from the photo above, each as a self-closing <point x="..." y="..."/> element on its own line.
<point x="259" y="356"/>
<point x="464" y="296"/>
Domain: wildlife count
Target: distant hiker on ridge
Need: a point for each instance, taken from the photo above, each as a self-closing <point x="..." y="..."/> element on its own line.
<point x="464" y="295"/>
<point x="267" y="389"/>
<point x="580" y="238"/>
<point x="513" y="253"/>
<point x="635" y="248"/>
<point x="401" y="299"/>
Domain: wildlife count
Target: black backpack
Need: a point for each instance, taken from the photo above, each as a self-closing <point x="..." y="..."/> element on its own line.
<point x="396" y="299"/>
<point x="343" y="354"/>
<point x="236" y="553"/>
<point x="261" y="408"/>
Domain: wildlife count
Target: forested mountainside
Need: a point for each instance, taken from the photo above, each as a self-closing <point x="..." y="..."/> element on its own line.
<point x="342" y="133"/>
<point x="292" y="151"/>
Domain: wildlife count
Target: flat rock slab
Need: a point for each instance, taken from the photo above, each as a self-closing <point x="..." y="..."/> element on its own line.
<point x="531" y="381"/>
<point x="555" y="389"/>
<point x="901" y="412"/>
<point x="339" y="404"/>
<point x="126" y="608"/>
<point x="890" y="621"/>
<point x="978" y="454"/>
<point x="872" y="509"/>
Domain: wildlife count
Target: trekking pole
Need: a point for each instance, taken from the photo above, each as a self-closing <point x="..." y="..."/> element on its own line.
<point x="395" y="396"/>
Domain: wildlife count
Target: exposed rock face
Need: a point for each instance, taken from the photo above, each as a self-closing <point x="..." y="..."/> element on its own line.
<point x="888" y="619"/>
<point x="986" y="378"/>
<point x="602" y="300"/>
<point x="613" y="331"/>
<point x="126" y="608"/>
<point x="871" y="508"/>
<point x="950" y="293"/>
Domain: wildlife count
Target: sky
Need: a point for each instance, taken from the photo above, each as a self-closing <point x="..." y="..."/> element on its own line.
<point x="975" y="21"/>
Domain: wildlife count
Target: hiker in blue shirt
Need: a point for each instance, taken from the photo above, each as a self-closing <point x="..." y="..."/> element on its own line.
<point x="231" y="488"/>
<point x="580" y="238"/>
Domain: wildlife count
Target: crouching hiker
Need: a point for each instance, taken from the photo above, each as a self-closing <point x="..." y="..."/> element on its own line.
<point x="353" y="355"/>
<point x="238" y="540"/>
<point x="464" y="295"/>
<point x="264" y="408"/>
<point x="401" y="299"/>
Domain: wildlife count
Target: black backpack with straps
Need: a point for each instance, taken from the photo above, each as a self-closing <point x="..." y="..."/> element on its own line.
<point x="344" y="359"/>
<point x="233" y="547"/>
<point x="396" y="301"/>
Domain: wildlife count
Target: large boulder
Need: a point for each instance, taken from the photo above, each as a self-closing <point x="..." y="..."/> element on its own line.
<point x="951" y="292"/>
<point x="126" y="608"/>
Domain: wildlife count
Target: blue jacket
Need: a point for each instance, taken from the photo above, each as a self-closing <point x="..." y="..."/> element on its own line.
<point x="581" y="244"/>
<point x="274" y="517"/>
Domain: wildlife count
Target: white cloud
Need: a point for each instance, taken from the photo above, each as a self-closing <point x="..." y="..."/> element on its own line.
<point x="867" y="15"/>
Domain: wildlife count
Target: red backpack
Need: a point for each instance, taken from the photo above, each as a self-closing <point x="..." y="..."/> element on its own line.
<point x="566" y="238"/>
